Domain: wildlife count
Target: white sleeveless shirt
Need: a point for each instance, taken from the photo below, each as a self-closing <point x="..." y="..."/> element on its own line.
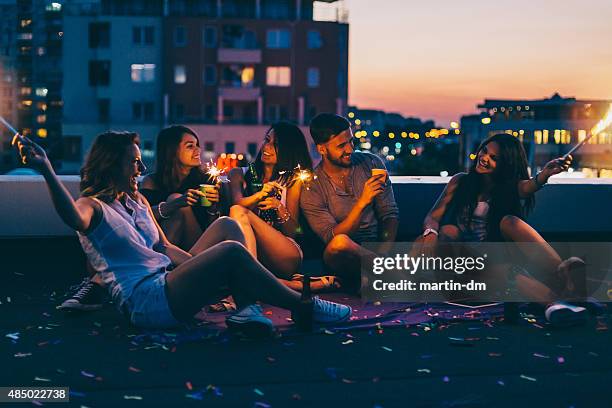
<point x="120" y="248"/>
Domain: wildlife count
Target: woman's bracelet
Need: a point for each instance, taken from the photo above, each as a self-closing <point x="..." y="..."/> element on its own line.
<point x="159" y="211"/>
<point x="215" y="214"/>
<point x="537" y="182"/>
<point x="284" y="218"/>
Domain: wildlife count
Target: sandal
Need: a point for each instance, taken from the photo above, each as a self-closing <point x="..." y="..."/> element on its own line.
<point x="572" y="273"/>
<point x="317" y="283"/>
<point x="224" y="305"/>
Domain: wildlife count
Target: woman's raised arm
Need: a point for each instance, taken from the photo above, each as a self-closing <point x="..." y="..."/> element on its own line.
<point x="78" y="214"/>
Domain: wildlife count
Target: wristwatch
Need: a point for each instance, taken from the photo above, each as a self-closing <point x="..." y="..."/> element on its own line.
<point x="429" y="231"/>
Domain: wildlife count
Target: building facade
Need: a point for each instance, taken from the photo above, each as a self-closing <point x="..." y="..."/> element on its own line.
<point x="226" y="68"/>
<point x="547" y="127"/>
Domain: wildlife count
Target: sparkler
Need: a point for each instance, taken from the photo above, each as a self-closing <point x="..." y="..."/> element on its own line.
<point x="8" y="125"/>
<point x="597" y="129"/>
<point x="215" y="174"/>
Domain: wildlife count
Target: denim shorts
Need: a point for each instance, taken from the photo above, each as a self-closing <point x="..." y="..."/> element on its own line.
<point x="148" y="304"/>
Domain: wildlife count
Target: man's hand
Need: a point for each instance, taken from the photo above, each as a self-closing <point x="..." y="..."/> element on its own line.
<point x="372" y="188"/>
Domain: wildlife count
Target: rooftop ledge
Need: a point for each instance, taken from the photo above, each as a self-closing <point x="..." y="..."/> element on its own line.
<point x="567" y="206"/>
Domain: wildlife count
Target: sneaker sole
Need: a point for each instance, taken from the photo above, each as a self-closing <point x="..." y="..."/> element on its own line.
<point x="79" y="306"/>
<point x="250" y="329"/>
<point x="341" y="320"/>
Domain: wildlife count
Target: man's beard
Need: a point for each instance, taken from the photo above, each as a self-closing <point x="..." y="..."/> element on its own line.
<point x="338" y="162"/>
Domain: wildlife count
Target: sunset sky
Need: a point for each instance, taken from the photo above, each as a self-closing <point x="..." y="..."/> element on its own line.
<point x="438" y="59"/>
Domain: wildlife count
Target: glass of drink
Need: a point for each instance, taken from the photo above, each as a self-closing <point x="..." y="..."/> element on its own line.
<point x="206" y="188"/>
<point x="376" y="172"/>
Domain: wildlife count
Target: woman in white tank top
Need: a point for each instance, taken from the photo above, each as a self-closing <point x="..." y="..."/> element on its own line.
<point x="126" y="246"/>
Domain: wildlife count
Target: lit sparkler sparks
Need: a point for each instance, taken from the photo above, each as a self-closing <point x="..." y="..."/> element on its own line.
<point x="597" y="129"/>
<point x="215" y="174"/>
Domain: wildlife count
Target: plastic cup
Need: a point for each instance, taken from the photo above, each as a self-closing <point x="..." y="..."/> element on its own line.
<point x="376" y="172"/>
<point x="204" y="188"/>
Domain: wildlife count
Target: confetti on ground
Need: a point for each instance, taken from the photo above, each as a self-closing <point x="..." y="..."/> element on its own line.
<point x="387" y="348"/>
<point x="445" y="379"/>
<point x="500" y="382"/>
<point x="524" y="377"/>
<point x="349" y="341"/>
<point x="132" y="397"/>
<point x="424" y="370"/>
<point x="560" y="360"/>
<point x="13" y="336"/>
<point x="21" y="355"/>
<point x="42" y="379"/>
<point x="134" y="369"/>
<point x="189" y="386"/>
<point x="258" y="392"/>
<point x="538" y="355"/>
<point x="86" y="374"/>
<point x="261" y="405"/>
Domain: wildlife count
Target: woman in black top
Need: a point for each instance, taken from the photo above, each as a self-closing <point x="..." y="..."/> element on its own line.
<point x="173" y="189"/>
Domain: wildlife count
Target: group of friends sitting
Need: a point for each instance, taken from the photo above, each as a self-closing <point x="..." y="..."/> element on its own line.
<point x="163" y="256"/>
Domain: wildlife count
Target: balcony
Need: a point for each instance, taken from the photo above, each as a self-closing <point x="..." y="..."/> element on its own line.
<point x="239" y="56"/>
<point x="239" y="94"/>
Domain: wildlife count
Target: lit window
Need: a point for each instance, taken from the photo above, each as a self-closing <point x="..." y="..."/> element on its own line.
<point x="42" y="133"/>
<point x="25" y="90"/>
<point x="313" y="77"/>
<point x="42" y="92"/>
<point x="278" y="76"/>
<point x="313" y="40"/>
<point x="278" y="39"/>
<point x="41" y="119"/>
<point x="180" y="74"/>
<point x="143" y="72"/>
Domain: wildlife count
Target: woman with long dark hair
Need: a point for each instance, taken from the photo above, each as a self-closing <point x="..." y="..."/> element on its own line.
<point x="490" y="203"/>
<point x="266" y="198"/>
<point x="153" y="282"/>
<point x="173" y="189"/>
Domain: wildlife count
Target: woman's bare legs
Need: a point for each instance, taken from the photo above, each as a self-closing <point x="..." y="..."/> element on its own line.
<point x="225" y="268"/>
<point x="222" y="229"/>
<point x="239" y="213"/>
<point x="182" y="228"/>
<point x="274" y="249"/>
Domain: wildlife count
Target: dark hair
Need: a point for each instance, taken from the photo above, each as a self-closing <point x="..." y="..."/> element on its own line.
<point x="167" y="164"/>
<point x="511" y="168"/>
<point x="103" y="167"/>
<point x="291" y="149"/>
<point x="324" y="126"/>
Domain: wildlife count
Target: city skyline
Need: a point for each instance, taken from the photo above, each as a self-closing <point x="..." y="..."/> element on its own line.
<point x="453" y="56"/>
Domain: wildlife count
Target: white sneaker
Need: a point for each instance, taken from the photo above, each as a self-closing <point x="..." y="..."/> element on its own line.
<point x="561" y="313"/>
<point x="325" y="311"/>
<point x="251" y="322"/>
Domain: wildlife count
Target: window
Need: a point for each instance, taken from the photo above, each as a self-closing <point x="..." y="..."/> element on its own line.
<point x="276" y="113"/>
<point x="210" y="75"/>
<point x="143" y="35"/>
<point x="99" y="35"/>
<point x="104" y="110"/>
<point x="136" y="35"/>
<point x="278" y="38"/>
<point x="209" y="146"/>
<point x="314" y="40"/>
<point x="99" y="72"/>
<point x="143" y="72"/>
<point x="278" y="76"/>
<point x="149" y="35"/>
<point x="209" y="112"/>
<point x="136" y="111"/>
<point x="209" y="37"/>
<point x="238" y="76"/>
<point x="313" y="77"/>
<point x="230" y="147"/>
<point x="180" y="74"/>
<point x="148" y="110"/>
<point x="180" y="36"/>
<point x="236" y="36"/>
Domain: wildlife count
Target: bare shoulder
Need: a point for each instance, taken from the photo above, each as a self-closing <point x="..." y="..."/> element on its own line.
<point x="455" y="179"/>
